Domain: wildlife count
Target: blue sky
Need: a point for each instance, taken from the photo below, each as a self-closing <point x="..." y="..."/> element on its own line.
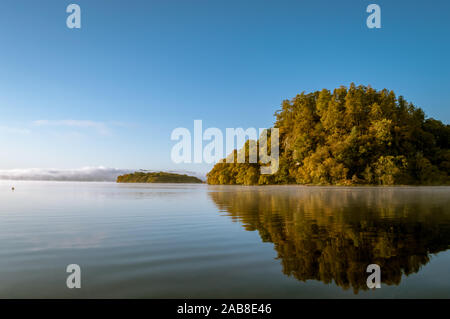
<point x="110" y="93"/>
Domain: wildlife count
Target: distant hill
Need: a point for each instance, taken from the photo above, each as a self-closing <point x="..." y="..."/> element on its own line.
<point x="157" y="177"/>
<point x="350" y="136"/>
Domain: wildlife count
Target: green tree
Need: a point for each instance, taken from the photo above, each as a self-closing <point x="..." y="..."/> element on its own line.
<point x="354" y="135"/>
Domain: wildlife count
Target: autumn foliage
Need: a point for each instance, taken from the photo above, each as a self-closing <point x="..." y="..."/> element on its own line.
<point x="354" y="135"/>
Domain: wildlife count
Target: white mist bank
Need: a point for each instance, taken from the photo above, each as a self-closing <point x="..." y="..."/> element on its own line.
<point x="84" y="174"/>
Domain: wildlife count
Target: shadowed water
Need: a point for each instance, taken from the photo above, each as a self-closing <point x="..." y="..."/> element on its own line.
<point x="186" y="241"/>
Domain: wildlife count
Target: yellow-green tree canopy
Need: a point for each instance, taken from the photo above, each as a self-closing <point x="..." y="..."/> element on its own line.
<point x="157" y="177"/>
<point x="354" y="135"/>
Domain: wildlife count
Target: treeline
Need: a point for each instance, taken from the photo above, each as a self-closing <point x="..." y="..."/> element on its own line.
<point x="354" y="135"/>
<point x="157" y="177"/>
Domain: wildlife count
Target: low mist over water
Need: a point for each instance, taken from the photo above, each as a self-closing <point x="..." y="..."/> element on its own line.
<point x="84" y="174"/>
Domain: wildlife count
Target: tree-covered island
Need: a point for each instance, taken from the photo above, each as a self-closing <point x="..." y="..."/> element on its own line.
<point x="157" y="177"/>
<point x="350" y="136"/>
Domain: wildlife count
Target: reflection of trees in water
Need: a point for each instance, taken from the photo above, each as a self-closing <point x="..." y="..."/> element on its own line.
<point x="331" y="234"/>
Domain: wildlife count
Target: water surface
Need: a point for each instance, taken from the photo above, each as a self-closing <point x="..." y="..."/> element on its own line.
<point x="200" y="241"/>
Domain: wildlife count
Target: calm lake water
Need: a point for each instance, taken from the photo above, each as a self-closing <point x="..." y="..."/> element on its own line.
<point x="200" y="241"/>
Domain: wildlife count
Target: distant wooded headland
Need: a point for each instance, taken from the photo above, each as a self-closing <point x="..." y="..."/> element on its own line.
<point x="157" y="177"/>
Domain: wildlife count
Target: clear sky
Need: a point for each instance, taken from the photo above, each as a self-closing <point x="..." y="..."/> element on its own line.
<point x="110" y="93"/>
